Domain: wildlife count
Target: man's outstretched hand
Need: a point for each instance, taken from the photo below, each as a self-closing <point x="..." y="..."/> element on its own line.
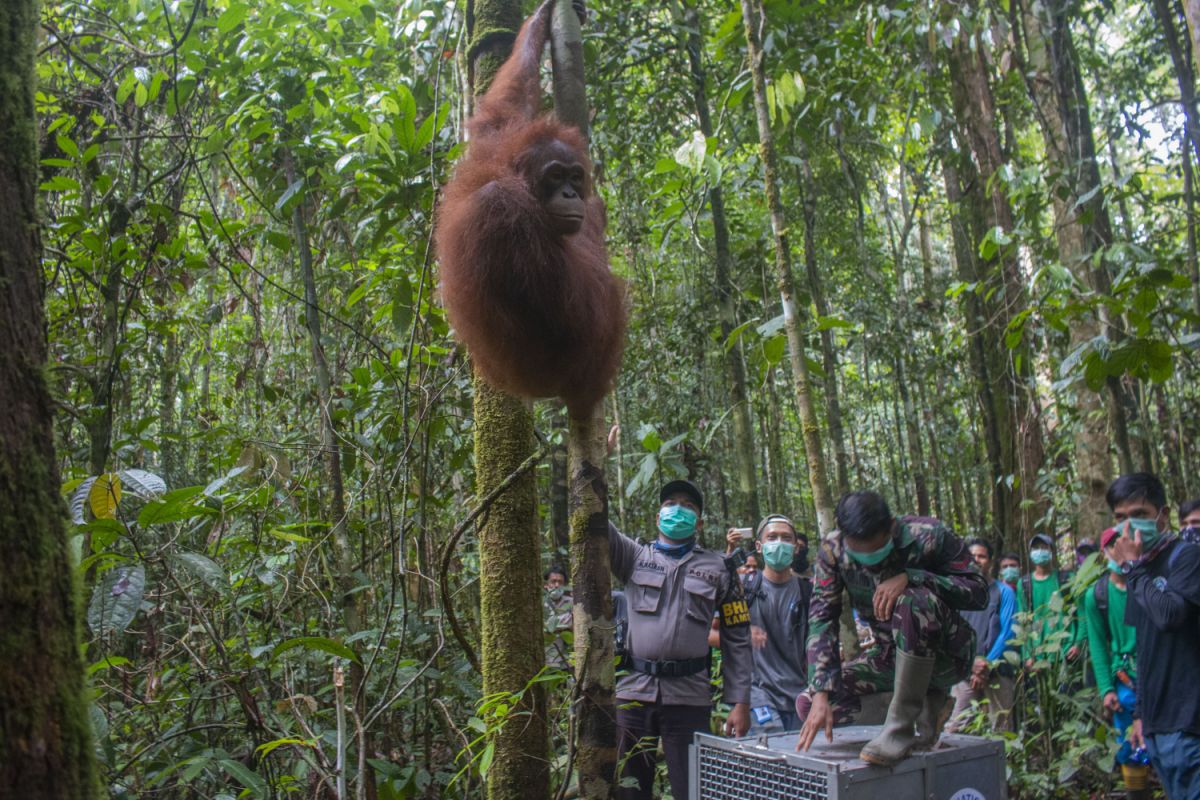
<point x="819" y="716"/>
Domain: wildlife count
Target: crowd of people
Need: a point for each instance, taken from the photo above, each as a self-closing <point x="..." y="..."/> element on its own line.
<point x="948" y="632"/>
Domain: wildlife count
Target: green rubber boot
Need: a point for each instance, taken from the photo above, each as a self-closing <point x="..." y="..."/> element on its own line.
<point x="908" y="701"/>
<point x="932" y="719"/>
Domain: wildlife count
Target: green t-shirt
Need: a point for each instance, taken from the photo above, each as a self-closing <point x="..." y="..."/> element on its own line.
<point x="1045" y="622"/>
<point x="1111" y="643"/>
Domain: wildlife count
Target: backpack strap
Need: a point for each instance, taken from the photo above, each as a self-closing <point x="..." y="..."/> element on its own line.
<point x="1100" y="595"/>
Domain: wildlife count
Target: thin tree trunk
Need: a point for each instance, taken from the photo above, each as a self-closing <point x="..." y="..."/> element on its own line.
<point x="753" y="18"/>
<point x="560" y="527"/>
<point x="594" y="713"/>
<point x="509" y="547"/>
<point x="735" y="374"/>
<point x="1185" y="75"/>
<point x="45" y="740"/>
<point x="829" y="359"/>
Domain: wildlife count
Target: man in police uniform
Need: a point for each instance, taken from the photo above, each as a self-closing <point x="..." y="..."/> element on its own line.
<point x="908" y="578"/>
<point x="673" y="587"/>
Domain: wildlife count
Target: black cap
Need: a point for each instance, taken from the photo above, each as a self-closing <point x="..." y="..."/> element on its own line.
<point x="1043" y="538"/>
<point x="686" y="487"/>
<point x="1085" y="547"/>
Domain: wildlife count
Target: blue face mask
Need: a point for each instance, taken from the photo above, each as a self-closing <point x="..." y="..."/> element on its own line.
<point x="1113" y="566"/>
<point x="1147" y="527"/>
<point x="1010" y="574"/>
<point x="677" y="522"/>
<point x="871" y="559"/>
<point x="778" y="555"/>
<point x="1040" y="556"/>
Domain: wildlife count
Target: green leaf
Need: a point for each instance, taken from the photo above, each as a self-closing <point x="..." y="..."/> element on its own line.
<point x="264" y="750"/>
<point x="108" y="663"/>
<point x="116" y="599"/>
<point x="143" y="484"/>
<point x="317" y="643"/>
<point x="204" y="568"/>
<point x="174" y="506"/>
<point x="248" y="778"/>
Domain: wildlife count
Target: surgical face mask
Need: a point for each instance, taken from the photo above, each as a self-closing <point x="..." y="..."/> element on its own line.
<point x="557" y="594"/>
<point x="1010" y="574"/>
<point x="677" y="522"/>
<point x="1113" y="566"/>
<point x="871" y="559"/>
<point x="1147" y="527"/>
<point x="1040" y="556"/>
<point x="778" y="555"/>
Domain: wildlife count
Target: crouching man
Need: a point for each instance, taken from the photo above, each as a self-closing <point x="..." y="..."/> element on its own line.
<point x="908" y="578"/>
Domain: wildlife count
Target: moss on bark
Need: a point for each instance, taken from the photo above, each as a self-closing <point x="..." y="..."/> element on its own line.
<point x="45" y="749"/>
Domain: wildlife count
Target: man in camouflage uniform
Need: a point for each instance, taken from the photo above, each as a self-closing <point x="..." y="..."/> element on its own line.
<point x="907" y="579"/>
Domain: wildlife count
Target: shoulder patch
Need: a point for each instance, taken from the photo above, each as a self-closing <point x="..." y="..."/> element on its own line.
<point x="735" y="613"/>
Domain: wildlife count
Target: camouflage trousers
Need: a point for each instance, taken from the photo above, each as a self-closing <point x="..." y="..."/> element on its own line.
<point x="921" y="624"/>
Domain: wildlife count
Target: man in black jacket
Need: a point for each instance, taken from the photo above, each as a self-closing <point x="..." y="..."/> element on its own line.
<point x="1163" y="578"/>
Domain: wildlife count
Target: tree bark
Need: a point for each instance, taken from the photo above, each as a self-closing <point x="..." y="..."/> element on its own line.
<point x="594" y="713"/>
<point x="1014" y="437"/>
<point x="735" y="373"/>
<point x="509" y="547"/>
<point x="829" y="359"/>
<point x="753" y="18"/>
<point x="45" y="747"/>
<point x="1082" y="228"/>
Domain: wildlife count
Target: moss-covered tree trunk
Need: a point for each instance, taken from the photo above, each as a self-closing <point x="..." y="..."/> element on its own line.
<point x="594" y="714"/>
<point x="45" y="748"/>
<point x="509" y="546"/>
<point x="753" y="19"/>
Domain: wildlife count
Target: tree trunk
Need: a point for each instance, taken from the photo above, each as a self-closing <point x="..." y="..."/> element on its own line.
<point x="1185" y="74"/>
<point x="560" y="528"/>
<point x="595" y="711"/>
<point x="1014" y="423"/>
<point x="509" y="547"/>
<point x="45" y="747"/>
<point x="829" y="359"/>
<point x="747" y="506"/>
<point x="753" y="18"/>
<point x="1082" y="228"/>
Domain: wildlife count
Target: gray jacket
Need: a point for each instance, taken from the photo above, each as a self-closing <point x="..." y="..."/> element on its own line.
<point x="671" y="606"/>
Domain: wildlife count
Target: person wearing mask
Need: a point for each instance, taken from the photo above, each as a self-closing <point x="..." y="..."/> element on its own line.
<point x="673" y="586"/>
<point x="557" y="606"/>
<point x="908" y="579"/>
<point x="1112" y="647"/>
<point x="1162" y="578"/>
<point x="778" y="600"/>
<point x="1189" y="521"/>
<point x="1082" y="550"/>
<point x="991" y="679"/>
<point x="1035" y="596"/>
<point x="1010" y="570"/>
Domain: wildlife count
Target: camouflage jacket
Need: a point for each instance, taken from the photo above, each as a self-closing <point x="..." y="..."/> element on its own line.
<point x="925" y="548"/>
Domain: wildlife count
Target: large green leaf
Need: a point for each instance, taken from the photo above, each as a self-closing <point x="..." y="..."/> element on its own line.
<point x="116" y="599"/>
<point x="317" y="643"/>
<point x="204" y="568"/>
<point x="143" y="484"/>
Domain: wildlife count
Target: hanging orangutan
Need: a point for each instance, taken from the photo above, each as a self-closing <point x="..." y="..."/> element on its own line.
<point x="520" y="237"/>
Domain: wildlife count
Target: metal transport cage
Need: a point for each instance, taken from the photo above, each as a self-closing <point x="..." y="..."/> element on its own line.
<point x="769" y="768"/>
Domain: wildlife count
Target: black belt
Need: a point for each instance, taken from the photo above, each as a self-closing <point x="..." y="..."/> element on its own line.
<point x="670" y="669"/>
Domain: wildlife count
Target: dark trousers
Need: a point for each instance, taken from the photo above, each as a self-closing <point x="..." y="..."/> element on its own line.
<point x="638" y="731"/>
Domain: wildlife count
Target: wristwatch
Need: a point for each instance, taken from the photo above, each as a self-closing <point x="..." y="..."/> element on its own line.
<point x="1130" y="565"/>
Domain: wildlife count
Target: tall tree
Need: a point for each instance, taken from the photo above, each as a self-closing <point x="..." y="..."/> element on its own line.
<point x="735" y="371"/>
<point x="509" y="546"/>
<point x="1082" y="229"/>
<point x="753" y="20"/>
<point x="1003" y="373"/>
<point x="45" y="747"/>
<point x="595" y="712"/>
